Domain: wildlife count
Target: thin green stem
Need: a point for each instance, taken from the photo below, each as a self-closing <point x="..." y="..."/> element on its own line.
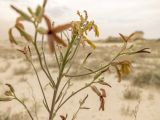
<point x="44" y="58"/>
<point x="69" y="97"/>
<point x="60" y="76"/>
<point x="62" y="90"/>
<point x="39" y="56"/>
<point x="103" y="67"/>
<point x="22" y="103"/>
<point x="58" y="63"/>
<point x="75" y="115"/>
<point x="40" y="85"/>
<point x="34" y="99"/>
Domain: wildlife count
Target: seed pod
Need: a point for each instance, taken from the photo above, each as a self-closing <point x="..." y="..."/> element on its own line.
<point x="94" y="88"/>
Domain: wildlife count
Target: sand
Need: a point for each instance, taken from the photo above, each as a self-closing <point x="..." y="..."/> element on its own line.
<point x="14" y="69"/>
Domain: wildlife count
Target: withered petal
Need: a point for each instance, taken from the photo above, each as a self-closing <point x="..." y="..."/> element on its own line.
<point x="51" y="43"/>
<point x="61" y="28"/>
<point x="48" y="22"/>
<point x="102" y="103"/>
<point x="103" y="92"/>
<point x="58" y="40"/>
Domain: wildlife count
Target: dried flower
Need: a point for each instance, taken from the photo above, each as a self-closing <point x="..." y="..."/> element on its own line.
<point x="82" y="27"/>
<point x="122" y="68"/>
<point x="52" y="33"/>
<point x="102" y="95"/>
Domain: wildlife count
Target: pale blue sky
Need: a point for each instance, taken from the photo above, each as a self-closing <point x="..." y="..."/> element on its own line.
<point x="112" y="16"/>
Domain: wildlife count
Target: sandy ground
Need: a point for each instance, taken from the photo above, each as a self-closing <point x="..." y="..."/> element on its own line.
<point x="16" y="71"/>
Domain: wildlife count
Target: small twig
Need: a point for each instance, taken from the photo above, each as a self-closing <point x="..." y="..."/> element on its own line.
<point x="69" y="97"/>
<point x="103" y="67"/>
<point x="39" y="57"/>
<point x="136" y="109"/>
<point x="40" y="84"/>
<point x="34" y="100"/>
<point x="44" y="57"/>
<point x="22" y="103"/>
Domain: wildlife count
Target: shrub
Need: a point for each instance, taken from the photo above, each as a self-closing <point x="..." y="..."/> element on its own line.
<point x="65" y="53"/>
<point x="147" y="79"/>
<point x="131" y="93"/>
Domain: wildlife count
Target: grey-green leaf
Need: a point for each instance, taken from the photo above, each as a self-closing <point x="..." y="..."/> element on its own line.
<point x="23" y="14"/>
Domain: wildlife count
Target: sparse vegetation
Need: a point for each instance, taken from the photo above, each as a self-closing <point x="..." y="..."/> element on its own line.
<point x="65" y="54"/>
<point x="132" y="93"/>
<point x="147" y="79"/>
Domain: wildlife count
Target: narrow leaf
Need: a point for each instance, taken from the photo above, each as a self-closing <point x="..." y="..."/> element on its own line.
<point x="130" y="36"/>
<point x="84" y="100"/>
<point x="23" y="14"/>
<point x="27" y="36"/>
<point x="39" y="13"/>
<point x="31" y="11"/>
<point x="89" y="54"/>
<point x="95" y="28"/>
<point x="11" y="37"/>
<point x="10" y="87"/>
<point x="104" y="83"/>
<point x="123" y="37"/>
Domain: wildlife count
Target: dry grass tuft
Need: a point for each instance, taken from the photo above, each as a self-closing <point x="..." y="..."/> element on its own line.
<point x="131" y="93"/>
<point x="147" y="79"/>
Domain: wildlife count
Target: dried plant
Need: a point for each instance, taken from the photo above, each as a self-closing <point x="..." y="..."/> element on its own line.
<point x="65" y="53"/>
<point x="131" y="93"/>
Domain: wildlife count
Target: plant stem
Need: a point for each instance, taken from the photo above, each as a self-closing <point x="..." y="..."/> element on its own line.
<point x="40" y="85"/>
<point x="34" y="99"/>
<point x="44" y="57"/>
<point x="103" y="68"/>
<point x="86" y="86"/>
<point x="60" y="76"/>
<point x="24" y="106"/>
<point x="119" y="54"/>
<point x="39" y="56"/>
<point x="62" y="90"/>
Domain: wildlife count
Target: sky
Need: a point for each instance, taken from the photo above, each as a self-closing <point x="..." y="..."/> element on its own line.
<point x="112" y="16"/>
